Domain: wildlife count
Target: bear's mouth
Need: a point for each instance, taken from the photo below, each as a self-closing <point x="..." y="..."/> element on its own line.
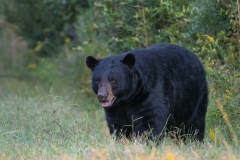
<point x="107" y="104"/>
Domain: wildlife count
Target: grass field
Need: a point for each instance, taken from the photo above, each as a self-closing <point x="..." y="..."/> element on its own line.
<point x="60" y="122"/>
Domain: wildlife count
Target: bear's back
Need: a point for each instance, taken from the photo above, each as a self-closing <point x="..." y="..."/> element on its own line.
<point x="167" y="60"/>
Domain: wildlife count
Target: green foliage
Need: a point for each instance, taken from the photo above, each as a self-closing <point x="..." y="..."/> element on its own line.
<point x="207" y="17"/>
<point x="132" y="24"/>
<point x="45" y="24"/>
<point x="216" y="26"/>
<point x="209" y="28"/>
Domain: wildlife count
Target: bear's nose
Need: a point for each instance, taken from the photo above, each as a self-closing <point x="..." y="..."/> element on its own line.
<point x="102" y="94"/>
<point x="102" y="98"/>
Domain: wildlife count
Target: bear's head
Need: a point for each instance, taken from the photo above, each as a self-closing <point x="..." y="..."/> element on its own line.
<point x="112" y="78"/>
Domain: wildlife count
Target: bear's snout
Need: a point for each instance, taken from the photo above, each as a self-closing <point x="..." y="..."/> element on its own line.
<point x="102" y="94"/>
<point x="102" y="98"/>
<point x="105" y="95"/>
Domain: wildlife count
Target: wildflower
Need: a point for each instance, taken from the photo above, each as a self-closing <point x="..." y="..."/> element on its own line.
<point x="228" y="91"/>
<point x="228" y="97"/>
<point x="225" y="115"/>
<point x="211" y="39"/>
<point x="67" y="40"/>
<point x="212" y="135"/>
<point x="170" y="156"/>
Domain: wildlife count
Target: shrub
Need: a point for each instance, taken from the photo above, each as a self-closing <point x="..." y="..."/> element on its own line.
<point x="216" y="26"/>
<point x="209" y="28"/>
<point x="45" y="24"/>
<point x="130" y="24"/>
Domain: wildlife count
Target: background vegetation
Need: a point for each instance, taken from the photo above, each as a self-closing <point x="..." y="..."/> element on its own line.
<point x="48" y="110"/>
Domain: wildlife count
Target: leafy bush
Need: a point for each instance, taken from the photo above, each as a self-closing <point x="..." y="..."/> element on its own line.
<point x="45" y="24"/>
<point x="209" y="28"/>
<point x="130" y="24"/>
<point x="208" y="18"/>
<point x="216" y="26"/>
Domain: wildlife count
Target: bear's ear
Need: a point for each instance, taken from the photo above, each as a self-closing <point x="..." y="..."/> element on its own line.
<point x="129" y="60"/>
<point x="91" y="62"/>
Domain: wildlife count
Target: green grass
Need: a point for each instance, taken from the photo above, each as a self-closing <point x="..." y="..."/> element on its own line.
<point x="41" y="122"/>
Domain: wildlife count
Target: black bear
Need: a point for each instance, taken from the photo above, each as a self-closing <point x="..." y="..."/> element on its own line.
<point x="159" y="87"/>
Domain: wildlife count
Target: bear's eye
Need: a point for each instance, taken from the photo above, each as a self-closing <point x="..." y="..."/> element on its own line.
<point x="113" y="81"/>
<point x="97" y="81"/>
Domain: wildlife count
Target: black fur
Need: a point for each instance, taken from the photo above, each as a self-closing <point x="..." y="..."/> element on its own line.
<point x="162" y="85"/>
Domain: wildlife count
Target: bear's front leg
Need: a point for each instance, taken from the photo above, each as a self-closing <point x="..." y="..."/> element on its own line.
<point x="117" y="122"/>
<point x="150" y="121"/>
